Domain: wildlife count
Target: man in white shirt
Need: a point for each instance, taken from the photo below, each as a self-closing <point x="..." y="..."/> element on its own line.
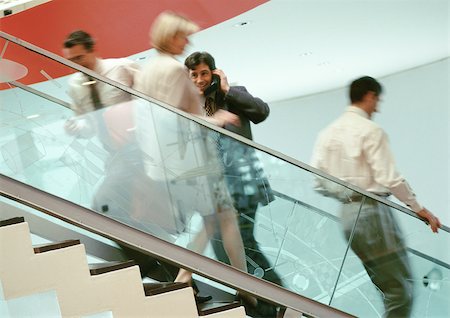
<point x="356" y="150"/>
<point x="107" y="112"/>
<point x="79" y="47"/>
<point x="89" y="95"/>
<point x="91" y="102"/>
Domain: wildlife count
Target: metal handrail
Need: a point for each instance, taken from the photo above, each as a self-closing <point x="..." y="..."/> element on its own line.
<point x="40" y="94"/>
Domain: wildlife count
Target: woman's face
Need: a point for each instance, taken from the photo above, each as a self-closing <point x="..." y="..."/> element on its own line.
<point x="178" y="43"/>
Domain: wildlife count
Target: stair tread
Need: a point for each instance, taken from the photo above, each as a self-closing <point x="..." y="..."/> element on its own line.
<point x="41" y="248"/>
<point x="105" y="267"/>
<point x="162" y="287"/>
<point x="11" y="221"/>
<point x="215" y="307"/>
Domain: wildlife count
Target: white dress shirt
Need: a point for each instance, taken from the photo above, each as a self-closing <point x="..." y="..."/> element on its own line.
<point x="356" y="150"/>
<point x="120" y="70"/>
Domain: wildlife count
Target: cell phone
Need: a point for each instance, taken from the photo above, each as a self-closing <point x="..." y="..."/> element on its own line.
<point x="215" y="85"/>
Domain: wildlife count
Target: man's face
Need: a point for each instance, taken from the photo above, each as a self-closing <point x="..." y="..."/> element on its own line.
<point x="372" y="101"/>
<point x="201" y="75"/>
<point x="375" y="102"/>
<point x="78" y="54"/>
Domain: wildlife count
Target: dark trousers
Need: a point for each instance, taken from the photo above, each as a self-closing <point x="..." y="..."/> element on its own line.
<point x="378" y="242"/>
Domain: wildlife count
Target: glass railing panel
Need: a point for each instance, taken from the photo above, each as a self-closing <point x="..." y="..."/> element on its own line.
<point x="166" y="174"/>
<point x="396" y="250"/>
<point x="33" y="140"/>
<point x="264" y="245"/>
<point x="429" y="259"/>
<point x="311" y="253"/>
<point x="314" y="232"/>
<point x="292" y="182"/>
<point x="159" y="172"/>
<point x="294" y="244"/>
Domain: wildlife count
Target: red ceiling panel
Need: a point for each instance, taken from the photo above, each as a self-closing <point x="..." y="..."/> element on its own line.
<point x="120" y="26"/>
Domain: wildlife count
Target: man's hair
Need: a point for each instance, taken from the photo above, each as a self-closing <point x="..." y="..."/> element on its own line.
<point x="166" y="26"/>
<point x="362" y="86"/>
<point x="196" y="58"/>
<point x="80" y="37"/>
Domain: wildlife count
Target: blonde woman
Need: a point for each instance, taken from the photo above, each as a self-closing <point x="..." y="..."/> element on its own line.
<point x="166" y="79"/>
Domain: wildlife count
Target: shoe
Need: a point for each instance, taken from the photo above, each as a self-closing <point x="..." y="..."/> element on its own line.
<point x="198" y="299"/>
<point x="202" y="299"/>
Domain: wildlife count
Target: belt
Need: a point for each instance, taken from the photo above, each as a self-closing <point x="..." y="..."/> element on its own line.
<point x="359" y="197"/>
<point x="353" y="198"/>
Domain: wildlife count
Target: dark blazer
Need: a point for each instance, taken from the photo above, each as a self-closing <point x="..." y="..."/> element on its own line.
<point x="244" y="175"/>
<point x="240" y="102"/>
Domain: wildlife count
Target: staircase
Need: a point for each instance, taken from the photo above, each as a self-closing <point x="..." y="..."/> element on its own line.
<point x="83" y="290"/>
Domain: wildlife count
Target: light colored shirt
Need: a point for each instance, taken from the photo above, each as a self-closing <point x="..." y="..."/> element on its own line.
<point x="356" y="150"/>
<point x="167" y="80"/>
<point x="120" y="70"/>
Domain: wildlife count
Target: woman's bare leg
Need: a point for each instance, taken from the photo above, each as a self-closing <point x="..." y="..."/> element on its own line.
<point x="234" y="247"/>
<point x="232" y="240"/>
<point x="197" y="245"/>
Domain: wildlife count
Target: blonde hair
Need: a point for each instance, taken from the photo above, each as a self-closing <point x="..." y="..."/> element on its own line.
<point x="166" y="26"/>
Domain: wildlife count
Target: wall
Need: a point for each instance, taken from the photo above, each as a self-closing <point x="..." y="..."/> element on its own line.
<point x="120" y="27"/>
<point x="414" y="113"/>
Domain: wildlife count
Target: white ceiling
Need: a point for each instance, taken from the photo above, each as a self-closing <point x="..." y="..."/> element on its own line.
<point x="291" y="48"/>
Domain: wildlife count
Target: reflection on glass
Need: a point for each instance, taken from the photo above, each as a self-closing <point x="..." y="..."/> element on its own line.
<point x="433" y="279"/>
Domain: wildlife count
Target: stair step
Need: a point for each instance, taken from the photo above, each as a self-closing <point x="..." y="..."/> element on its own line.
<point x="163" y="287"/>
<point x="106" y="267"/>
<point x="11" y="221"/>
<point x="42" y="248"/>
<point x="216" y="307"/>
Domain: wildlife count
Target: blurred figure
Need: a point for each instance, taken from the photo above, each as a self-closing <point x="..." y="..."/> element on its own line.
<point x="107" y="112"/>
<point x="244" y="175"/>
<point x="89" y="95"/>
<point x="356" y="150"/>
<point x="91" y="101"/>
<point x="166" y="79"/>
